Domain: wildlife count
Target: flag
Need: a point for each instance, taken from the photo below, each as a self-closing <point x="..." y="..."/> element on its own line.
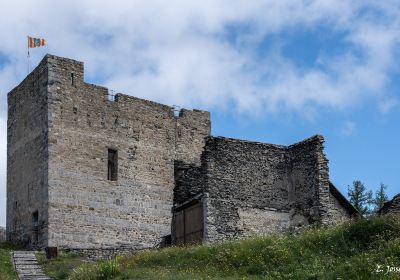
<point x="35" y="42"/>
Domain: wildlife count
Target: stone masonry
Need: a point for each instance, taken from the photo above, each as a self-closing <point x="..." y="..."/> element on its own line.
<point x="392" y="206"/>
<point x="88" y="171"/>
<point x="59" y="132"/>
<point x="250" y="188"/>
<point x="2" y="234"/>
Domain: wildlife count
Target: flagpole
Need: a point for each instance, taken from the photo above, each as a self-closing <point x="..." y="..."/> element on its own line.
<point x="28" y="56"/>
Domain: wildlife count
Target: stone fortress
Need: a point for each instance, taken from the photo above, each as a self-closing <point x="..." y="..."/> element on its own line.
<point x="90" y="171"/>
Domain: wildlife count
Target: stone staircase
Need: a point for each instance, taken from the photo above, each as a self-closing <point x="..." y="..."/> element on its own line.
<point x="27" y="267"/>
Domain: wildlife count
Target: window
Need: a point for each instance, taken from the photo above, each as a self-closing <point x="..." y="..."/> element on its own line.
<point x="35" y="227"/>
<point x="35" y="219"/>
<point x="72" y="79"/>
<point x="112" y="168"/>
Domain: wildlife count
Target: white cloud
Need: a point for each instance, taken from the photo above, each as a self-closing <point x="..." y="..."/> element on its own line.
<point x="348" y="128"/>
<point x="178" y="52"/>
<point x="388" y="104"/>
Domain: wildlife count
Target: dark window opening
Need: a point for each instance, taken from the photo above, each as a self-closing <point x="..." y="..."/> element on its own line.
<point x="35" y="219"/>
<point x="166" y="241"/>
<point x="35" y="227"/>
<point x="72" y="79"/>
<point x="112" y="170"/>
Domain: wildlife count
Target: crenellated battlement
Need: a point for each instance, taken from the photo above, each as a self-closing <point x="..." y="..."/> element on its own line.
<point x="69" y="73"/>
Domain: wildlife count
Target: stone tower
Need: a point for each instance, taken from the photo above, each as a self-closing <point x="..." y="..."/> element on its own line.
<point x="90" y="170"/>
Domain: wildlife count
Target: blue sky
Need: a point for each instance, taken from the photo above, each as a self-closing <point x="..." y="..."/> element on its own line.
<point x="271" y="71"/>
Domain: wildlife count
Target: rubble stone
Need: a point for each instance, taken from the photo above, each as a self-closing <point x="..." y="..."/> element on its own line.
<point x="391" y="206"/>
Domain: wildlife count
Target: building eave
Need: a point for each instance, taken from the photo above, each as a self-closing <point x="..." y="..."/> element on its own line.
<point x="343" y="200"/>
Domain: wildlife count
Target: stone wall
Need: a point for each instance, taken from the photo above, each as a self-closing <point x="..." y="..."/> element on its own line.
<point x="254" y="221"/>
<point x="244" y="181"/>
<point x="189" y="181"/>
<point x="85" y="209"/>
<point x="250" y="188"/>
<point x="309" y="178"/>
<point x="27" y="159"/>
<point x="103" y="253"/>
<point x="339" y="208"/>
<point x="337" y="212"/>
<point x="2" y="234"/>
<point x="60" y="131"/>
<point x="392" y="206"/>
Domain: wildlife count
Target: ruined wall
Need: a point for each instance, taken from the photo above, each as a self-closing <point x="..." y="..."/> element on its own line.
<point x="189" y="181"/>
<point x="85" y="209"/>
<point x="252" y="188"/>
<point x="246" y="188"/>
<point x="191" y="127"/>
<point x="309" y="176"/>
<point x="391" y="207"/>
<point x="27" y="160"/>
<point x="254" y="221"/>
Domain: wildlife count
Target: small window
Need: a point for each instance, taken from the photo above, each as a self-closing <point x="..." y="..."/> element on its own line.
<point x="72" y="79"/>
<point x="35" y="219"/>
<point x="112" y="170"/>
<point x="176" y="111"/>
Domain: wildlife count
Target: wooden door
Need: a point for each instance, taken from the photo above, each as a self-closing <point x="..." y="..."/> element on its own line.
<point x="189" y="225"/>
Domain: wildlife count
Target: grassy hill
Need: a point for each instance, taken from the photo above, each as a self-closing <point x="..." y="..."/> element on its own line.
<point x="348" y="251"/>
<point x="7" y="271"/>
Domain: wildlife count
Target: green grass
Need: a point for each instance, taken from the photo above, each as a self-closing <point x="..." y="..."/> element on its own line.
<point x="7" y="271"/>
<point x="62" y="266"/>
<point x="348" y="251"/>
